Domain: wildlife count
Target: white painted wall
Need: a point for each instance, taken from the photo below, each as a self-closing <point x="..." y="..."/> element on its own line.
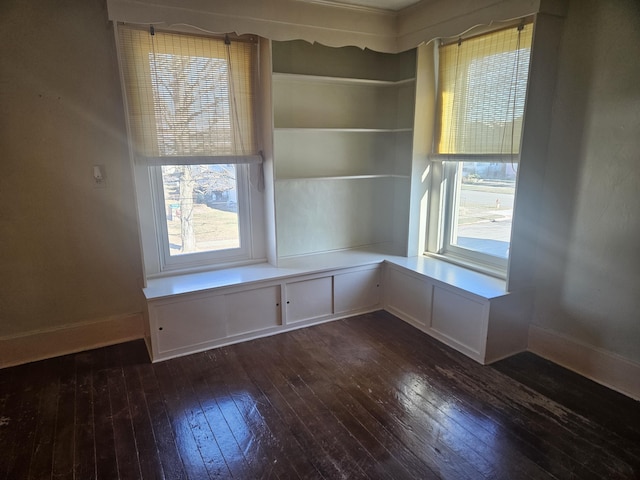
<point x="588" y="274"/>
<point x="69" y="252"/>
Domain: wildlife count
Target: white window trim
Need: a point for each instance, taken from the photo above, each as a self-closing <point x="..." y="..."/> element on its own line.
<point x="439" y="208"/>
<point x="443" y="179"/>
<point x="196" y="259"/>
<point x="489" y="262"/>
<point x="153" y="234"/>
<point x="150" y="221"/>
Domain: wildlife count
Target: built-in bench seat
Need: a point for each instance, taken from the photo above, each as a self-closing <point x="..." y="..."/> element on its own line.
<point x="469" y="311"/>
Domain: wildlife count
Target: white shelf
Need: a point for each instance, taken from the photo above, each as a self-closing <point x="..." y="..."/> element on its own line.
<point x="342" y="150"/>
<point x="348" y="130"/>
<point x="437" y="270"/>
<point x="295" y="77"/>
<point x="342" y="177"/>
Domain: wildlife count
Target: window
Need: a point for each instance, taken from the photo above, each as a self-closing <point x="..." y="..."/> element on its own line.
<point x="481" y="92"/>
<point x="191" y="106"/>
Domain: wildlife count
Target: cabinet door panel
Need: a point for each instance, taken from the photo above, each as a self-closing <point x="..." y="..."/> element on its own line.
<point x="190" y="322"/>
<point x="356" y="290"/>
<point x="408" y="296"/>
<point x="309" y="299"/>
<point x="253" y="310"/>
<point x="460" y="318"/>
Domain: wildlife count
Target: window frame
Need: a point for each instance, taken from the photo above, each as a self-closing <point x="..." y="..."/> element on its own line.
<point x="445" y="179"/>
<point x="170" y="262"/>
<point x="453" y="179"/>
<point x="150" y="200"/>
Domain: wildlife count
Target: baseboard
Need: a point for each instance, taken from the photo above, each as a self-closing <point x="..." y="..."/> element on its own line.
<point x="41" y="344"/>
<point x="601" y="366"/>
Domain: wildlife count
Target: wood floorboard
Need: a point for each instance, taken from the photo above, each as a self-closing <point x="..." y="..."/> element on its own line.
<point x="126" y="442"/>
<point x="150" y="465"/>
<point x="446" y="448"/>
<point x="342" y="406"/>
<point x="203" y="434"/>
<point x="260" y="370"/>
<point x="64" y="438"/>
<point x="585" y="398"/>
<point x="354" y="460"/>
<point x="347" y="391"/>
<point x="41" y="454"/>
<point x="180" y="416"/>
<point x="369" y="397"/>
<point x="531" y="418"/>
<point x="305" y="399"/>
<point x="170" y="460"/>
<point x="560" y="434"/>
<point x="398" y="452"/>
<point x="242" y="395"/>
<point x="224" y="454"/>
<point x="84" y="454"/>
<point x="23" y="422"/>
<point x="105" y="443"/>
<point x="428" y="358"/>
<point x="459" y="418"/>
<point x="256" y="404"/>
<point x="318" y="373"/>
<point x="410" y="389"/>
<point x="9" y="402"/>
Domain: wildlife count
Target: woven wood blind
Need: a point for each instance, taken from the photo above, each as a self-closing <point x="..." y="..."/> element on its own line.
<point x="482" y="86"/>
<point x="191" y="99"/>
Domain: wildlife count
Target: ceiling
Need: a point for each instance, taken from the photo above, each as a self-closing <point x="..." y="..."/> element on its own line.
<point x="393" y="5"/>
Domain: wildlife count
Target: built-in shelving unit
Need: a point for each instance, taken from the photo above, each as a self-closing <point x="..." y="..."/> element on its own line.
<point x="342" y="168"/>
<point x="342" y="172"/>
<point x="343" y="135"/>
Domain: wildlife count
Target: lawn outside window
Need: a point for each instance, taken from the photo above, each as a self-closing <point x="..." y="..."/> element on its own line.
<point x="481" y="93"/>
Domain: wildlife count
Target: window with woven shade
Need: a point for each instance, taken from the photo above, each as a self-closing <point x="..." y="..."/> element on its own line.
<point x="481" y="95"/>
<point x="190" y="96"/>
<point x="191" y="106"/>
<point x="482" y="86"/>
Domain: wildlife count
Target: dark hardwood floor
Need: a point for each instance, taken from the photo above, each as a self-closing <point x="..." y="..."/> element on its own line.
<point x="366" y="397"/>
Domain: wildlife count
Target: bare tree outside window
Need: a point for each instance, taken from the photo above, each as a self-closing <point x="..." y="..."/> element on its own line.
<point x="191" y="103"/>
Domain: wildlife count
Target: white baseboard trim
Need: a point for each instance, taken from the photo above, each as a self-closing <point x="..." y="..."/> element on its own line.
<point x="601" y="366"/>
<point x="42" y="344"/>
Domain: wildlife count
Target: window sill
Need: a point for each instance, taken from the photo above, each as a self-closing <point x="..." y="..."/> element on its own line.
<point x="476" y="267"/>
<point x="437" y="269"/>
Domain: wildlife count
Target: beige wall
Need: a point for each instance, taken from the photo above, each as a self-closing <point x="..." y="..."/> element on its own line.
<point x="68" y="251"/>
<point x="588" y="274"/>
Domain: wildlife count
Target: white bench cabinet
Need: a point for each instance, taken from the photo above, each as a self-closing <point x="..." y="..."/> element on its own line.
<point x="470" y="314"/>
<point x="309" y="299"/>
<point x="199" y="321"/>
